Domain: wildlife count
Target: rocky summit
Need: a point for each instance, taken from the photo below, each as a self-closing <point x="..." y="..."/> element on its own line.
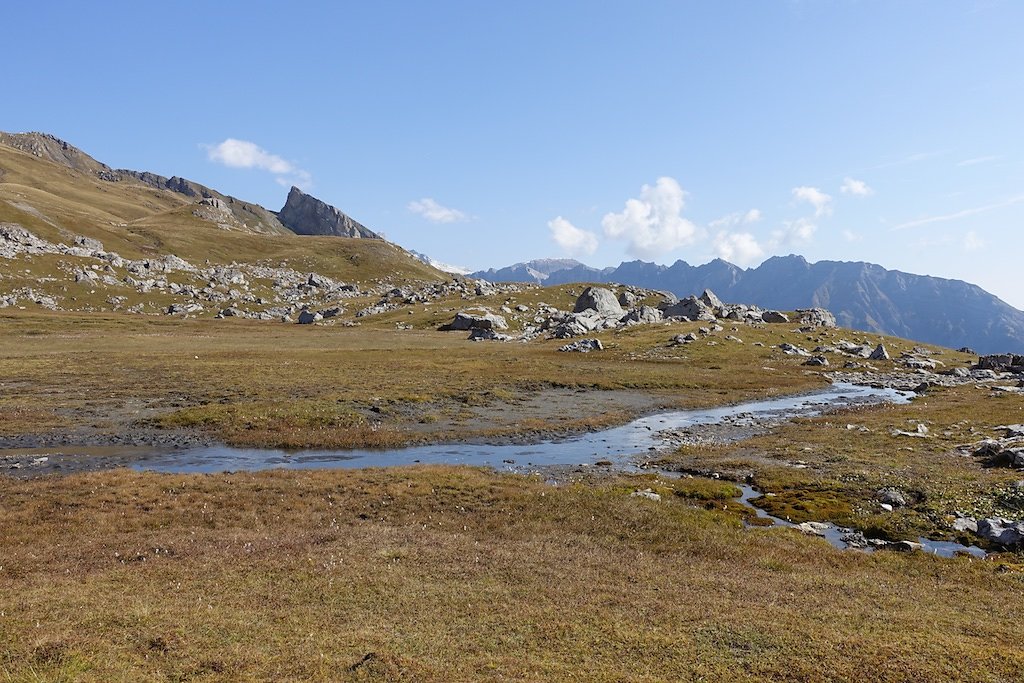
<point x="304" y="214"/>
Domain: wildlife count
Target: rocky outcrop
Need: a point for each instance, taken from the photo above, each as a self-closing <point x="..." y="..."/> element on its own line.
<point x="601" y="300"/>
<point x="304" y="214"/>
<point x="476" y="321"/>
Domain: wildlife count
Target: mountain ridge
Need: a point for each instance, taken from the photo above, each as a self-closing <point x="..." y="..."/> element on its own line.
<point x="862" y="295"/>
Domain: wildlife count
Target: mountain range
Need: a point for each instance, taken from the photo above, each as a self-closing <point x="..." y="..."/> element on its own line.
<point x="863" y="296"/>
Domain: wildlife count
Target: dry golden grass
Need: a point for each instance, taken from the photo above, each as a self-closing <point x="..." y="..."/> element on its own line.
<point x="457" y="574"/>
<point x="851" y="455"/>
<point x="263" y="383"/>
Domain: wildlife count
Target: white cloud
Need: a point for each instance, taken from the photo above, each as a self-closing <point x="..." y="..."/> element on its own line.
<point x="653" y="223"/>
<point x="972" y="242"/>
<point x="794" y="233"/>
<point x="858" y="188"/>
<point x="815" y="197"/>
<point x="573" y="240"/>
<point x="737" y="218"/>
<point x="436" y="213"/>
<point x="959" y="214"/>
<point x="244" y="154"/>
<point x="851" y="236"/>
<point x="740" y="248"/>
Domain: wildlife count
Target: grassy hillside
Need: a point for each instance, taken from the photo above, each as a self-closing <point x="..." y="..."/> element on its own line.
<point x="57" y="202"/>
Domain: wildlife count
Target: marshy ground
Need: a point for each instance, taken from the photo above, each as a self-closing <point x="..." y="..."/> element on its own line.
<point x="440" y="573"/>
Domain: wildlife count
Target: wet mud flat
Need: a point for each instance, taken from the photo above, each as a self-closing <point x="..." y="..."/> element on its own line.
<point x="625" y="447"/>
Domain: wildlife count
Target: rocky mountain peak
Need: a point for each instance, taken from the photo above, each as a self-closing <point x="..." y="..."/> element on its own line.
<point x="304" y="214"/>
<point x="52" y="148"/>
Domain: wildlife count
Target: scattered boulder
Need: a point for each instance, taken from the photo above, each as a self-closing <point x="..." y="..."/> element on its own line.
<point x="601" y="300"/>
<point x="774" y="317"/>
<point x="965" y="525"/>
<point x="317" y="280"/>
<point x="643" y="315"/>
<point x="815" y="317"/>
<point x="711" y="300"/>
<point x="628" y="299"/>
<point x="478" y="334"/>
<point x="1003" y="362"/>
<point x="88" y="243"/>
<point x="691" y="308"/>
<point x="1005" y="532"/>
<point x="893" y="497"/>
<point x="681" y="339"/>
<point x="792" y="350"/>
<point x="469" y="321"/>
<point x="646" y="493"/>
<point x="902" y="546"/>
<point x="583" y="346"/>
<point x="880" y="353"/>
<point x="817" y="361"/>
<point x="308" y="317"/>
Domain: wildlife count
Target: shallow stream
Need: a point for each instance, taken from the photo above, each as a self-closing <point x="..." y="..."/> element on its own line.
<point x="623" y="448"/>
<point x="619" y="445"/>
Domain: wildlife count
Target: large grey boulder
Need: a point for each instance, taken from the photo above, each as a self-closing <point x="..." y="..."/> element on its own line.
<point x="691" y="308"/>
<point x="1001" y="362"/>
<point x="601" y="300"/>
<point x="893" y="497"/>
<point x="643" y="315"/>
<point x="583" y="346"/>
<point x="880" y="353"/>
<point x="1003" y="531"/>
<point x="628" y="299"/>
<point x="816" y="317"/>
<point x="307" y="317"/>
<point x="711" y="300"/>
<point x="476" y="321"/>
<point x="774" y="317"/>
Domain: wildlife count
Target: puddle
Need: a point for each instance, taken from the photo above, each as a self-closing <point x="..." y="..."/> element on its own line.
<point x="838" y="537"/>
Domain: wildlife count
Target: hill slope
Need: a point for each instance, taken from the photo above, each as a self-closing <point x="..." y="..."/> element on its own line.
<point x="76" y="234"/>
<point x="863" y="296"/>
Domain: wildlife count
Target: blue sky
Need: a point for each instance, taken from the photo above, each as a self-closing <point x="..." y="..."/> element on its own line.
<point x="486" y="133"/>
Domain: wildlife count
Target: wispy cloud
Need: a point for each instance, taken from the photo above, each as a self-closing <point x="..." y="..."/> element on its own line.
<point x="972" y="242"/>
<point x="737" y="218"/>
<point x="244" y="154"/>
<point x="574" y="241"/>
<point x="912" y="159"/>
<point x="436" y="213"/>
<point x="857" y="188"/>
<point x="977" y="160"/>
<point x="851" y="236"/>
<point x="815" y="197"/>
<point x="959" y="214"/>
<point x="653" y="223"/>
